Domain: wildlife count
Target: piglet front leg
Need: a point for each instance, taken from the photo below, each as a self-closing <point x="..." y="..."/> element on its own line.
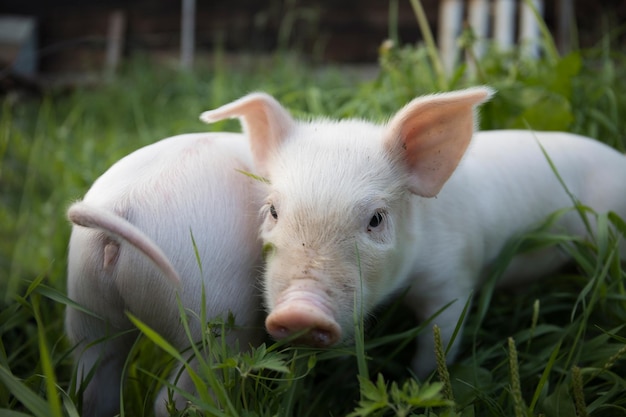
<point x="444" y="306"/>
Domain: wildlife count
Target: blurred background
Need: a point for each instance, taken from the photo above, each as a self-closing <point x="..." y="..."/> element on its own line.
<point x="65" y="40"/>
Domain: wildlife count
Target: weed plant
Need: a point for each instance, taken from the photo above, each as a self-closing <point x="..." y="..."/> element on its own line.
<point x="554" y="348"/>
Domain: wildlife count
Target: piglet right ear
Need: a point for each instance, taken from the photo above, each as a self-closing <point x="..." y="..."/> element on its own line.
<point x="431" y="135"/>
<point x="264" y="121"/>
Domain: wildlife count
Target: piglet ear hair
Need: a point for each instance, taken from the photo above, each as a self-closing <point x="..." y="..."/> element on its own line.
<point x="264" y="121"/>
<point x="431" y="134"/>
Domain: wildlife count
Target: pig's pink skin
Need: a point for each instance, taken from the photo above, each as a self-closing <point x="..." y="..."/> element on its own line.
<point x="164" y="193"/>
<point x="351" y="204"/>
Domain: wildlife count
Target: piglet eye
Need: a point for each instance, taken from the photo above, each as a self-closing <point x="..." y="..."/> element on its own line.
<point x="375" y="221"/>
<point x="273" y="212"/>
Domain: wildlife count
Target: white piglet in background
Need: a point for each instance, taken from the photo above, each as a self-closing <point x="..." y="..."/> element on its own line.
<point x="356" y="212"/>
<point x="131" y="250"/>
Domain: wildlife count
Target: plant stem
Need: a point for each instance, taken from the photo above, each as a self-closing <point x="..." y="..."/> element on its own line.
<point x="516" y="386"/>
<point x="431" y="47"/>
<point x="579" y="394"/>
<point x="442" y="368"/>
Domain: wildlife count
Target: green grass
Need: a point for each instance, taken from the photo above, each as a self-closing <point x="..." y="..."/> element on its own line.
<point x="554" y="348"/>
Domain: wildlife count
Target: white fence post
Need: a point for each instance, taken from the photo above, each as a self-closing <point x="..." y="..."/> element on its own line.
<point x="478" y="17"/>
<point x="187" y="34"/>
<point x="504" y="23"/>
<point x="450" y="22"/>
<point x="115" y="42"/>
<point x="478" y="14"/>
<point x="565" y="22"/>
<point x="529" y="27"/>
<point x="505" y="26"/>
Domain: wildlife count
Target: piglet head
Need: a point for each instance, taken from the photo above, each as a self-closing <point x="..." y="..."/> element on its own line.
<point x="340" y="204"/>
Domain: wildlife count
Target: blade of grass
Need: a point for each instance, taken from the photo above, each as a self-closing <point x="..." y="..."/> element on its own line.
<point x="9" y="413"/>
<point x="156" y="338"/>
<point x="58" y="297"/>
<point x="551" y="50"/>
<point x="46" y="362"/>
<point x="359" y="334"/>
<point x="29" y="399"/>
<point x="544" y="377"/>
<point x="516" y="387"/>
<point x="431" y="47"/>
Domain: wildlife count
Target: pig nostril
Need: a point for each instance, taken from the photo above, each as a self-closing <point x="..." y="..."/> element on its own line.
<point x="320" y="337"/>
<point x="281" y="332"/>
<point x="312" y="337"/>
<point x="304" y="327"/>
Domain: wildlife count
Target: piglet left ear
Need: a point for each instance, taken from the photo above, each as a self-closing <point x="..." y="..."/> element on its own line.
<point x="431" y="135"/>
<point x="264" y="121"/>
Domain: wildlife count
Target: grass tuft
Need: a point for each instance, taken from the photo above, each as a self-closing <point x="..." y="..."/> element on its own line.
<point x="577" y="390"/>
<point x="516" y="386"/>
<point x="442" y="367"/>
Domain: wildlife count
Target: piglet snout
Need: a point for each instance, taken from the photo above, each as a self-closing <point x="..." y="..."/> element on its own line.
<point x="303" y="308"/>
